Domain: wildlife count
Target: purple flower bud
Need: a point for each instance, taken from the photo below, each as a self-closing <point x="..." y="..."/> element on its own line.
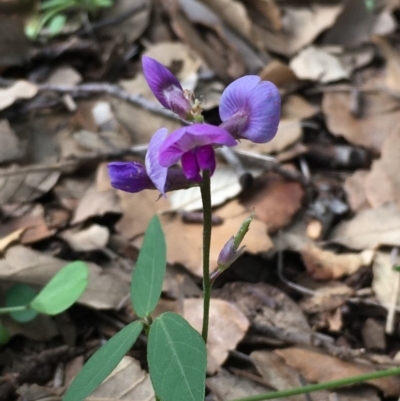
<point x="129" y="176"/>
<point x="193" y="144"/>
<point x="166" y="87"/>
<point x="250" y="109"/>
<point x="228" y="254"/>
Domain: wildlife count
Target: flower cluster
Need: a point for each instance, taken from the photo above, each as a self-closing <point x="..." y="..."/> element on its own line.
<point x="249" y="109"/>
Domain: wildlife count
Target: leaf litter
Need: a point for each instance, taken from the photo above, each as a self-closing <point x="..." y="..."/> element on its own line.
<point x="315" y="295"/>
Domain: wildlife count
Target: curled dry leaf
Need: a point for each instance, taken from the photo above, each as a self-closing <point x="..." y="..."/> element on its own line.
<point x="132" y="27"/>
<point x="126" y="382"/>
<point x="19" y="90"/>
<point x="380" y="113"/>
<point x="23" y="265"/>
<point x="318" y="64"/>
<point x="24" y="184"/>
<point x="369" y="229"/>
<point x="10" y="239"/>
<point x="226" y="386"/>
<point x="329" y="368"/>
<point x="354" y="187"/>
<point x="382" y="184"/>
<point x="34" y="225"/>
<point x="327" y="265"/>
<point x="279" y="375"/>
<point x="228" y="325"/>
<point x="92" y="238"/>
<point x="300" y="27"/>
<point x="274" y="200"/>
<point x="265" y="304"/>
<point x="10" y="144"/>
<point x="384" y="279"/>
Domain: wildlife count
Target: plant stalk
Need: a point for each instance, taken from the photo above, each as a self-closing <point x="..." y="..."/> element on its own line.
<point x="11" y="309"/>
<point x="321" y="386"/>
<point x="206" y="199"/>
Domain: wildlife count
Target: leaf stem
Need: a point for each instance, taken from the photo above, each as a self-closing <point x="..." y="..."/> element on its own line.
<point x="321" y="386"/>
<point x="206" y="199"/>
<point x="11" y="309"/>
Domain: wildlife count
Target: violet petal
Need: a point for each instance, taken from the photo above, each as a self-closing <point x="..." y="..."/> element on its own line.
<point x="250" y="109"/>
<point x="186" y="138"/>
<point x="190" y="166"/>
<point x="206" y="158"/>
<point x="156" y="172"/>
<point x="129" y="176"/>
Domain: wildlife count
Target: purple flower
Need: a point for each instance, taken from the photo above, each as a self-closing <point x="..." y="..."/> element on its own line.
<point x="166" y="87"/>
<point x="250" y="109"/>
<point x="134" y="177"/>
<point x="193" y="145"/>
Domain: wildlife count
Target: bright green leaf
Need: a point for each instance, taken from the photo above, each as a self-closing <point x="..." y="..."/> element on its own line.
<point x="56" y="24"/>
<point x="62" y="290"/>
<point x="20" y="295"/>
<point x="148" y="275"/>
<point x="4" y="336"/>
<point x="177" y="359"/>
<point x="103" y="362"/>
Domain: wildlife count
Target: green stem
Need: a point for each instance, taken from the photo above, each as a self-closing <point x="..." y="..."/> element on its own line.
<point x="321" y="386"/>
<point x="206" y="199"/>
<point x="13" y="309"/>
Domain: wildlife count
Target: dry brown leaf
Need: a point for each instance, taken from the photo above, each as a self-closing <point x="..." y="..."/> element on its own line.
<point x="353" y="26"/>
<point x="10" y="144"/>
<point x="132" y="27"/>
<point x="369" y="229"/>
<point x="19" y="90"/>
<point x="296" y="107"/>
<point x="278" y="73"/>
<point x="97" y="203"/>
<point x="234" y="14"/>
<point x="279" y="375"/>
<point x="392" y="56"/>
<point x="274" y="200"/>
<point x="318" y="64"/>
<point x="91" y="238"/>
<point x="33" y="223"/>
<point x="327" y="265"/>
<point x="270" y="10"/>
<point x="301" y="26"/>
<point x="328" y="368"/>
<point x="380" y="114"/>
<point x="126" y="382"/>
<point x="65" y="75"/>
<point x="10" y="239"/>
<point x="226" y="386"/>
<point x="354" y="187"/>
<point x="25" y="184"/>
<point x="265" y="305"/>
<point x="384" y="279"/>
<point x="137" y="210"/>
<point x="23" y="265"/>
<point x="382" y="184"/>
<point x="14" y="44"/>
<point x="228" y="325"/>
<point x="184" y="241"/>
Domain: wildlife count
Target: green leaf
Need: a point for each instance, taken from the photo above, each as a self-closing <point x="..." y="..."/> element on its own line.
<point x="148" y="276"/>
<point x="62" y="290"/>
<point x="56" y="24"/>
<point x="177" y="359"/>
<point x="103" y="362"/>
<point x="21" y="295"/>
<point x="4" y="335"/>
